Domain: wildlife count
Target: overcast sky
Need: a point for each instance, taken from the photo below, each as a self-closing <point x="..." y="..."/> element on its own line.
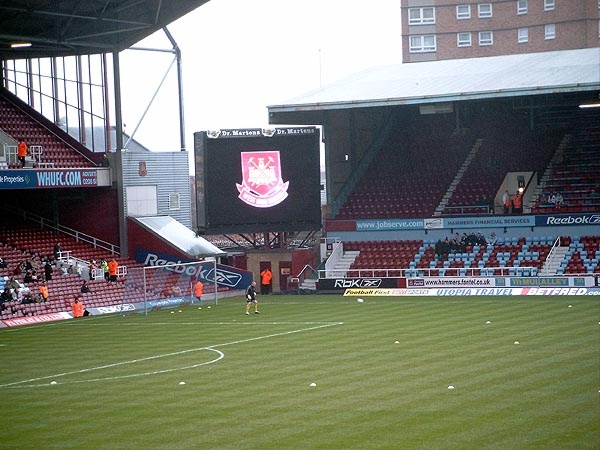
<point x="239" y="56"/>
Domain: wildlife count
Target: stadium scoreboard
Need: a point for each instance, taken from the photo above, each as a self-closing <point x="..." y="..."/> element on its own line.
<point x="258" y="180"/>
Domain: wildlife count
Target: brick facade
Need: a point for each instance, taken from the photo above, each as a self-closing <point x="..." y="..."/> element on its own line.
<point x="575" y="25"/>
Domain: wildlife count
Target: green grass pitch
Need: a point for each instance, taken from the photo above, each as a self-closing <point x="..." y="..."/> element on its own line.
<point x="382" y="371"/>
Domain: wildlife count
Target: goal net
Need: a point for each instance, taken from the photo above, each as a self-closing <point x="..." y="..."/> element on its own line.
<point x="153" y="288"/>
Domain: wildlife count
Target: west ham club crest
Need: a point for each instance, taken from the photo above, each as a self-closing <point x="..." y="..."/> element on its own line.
<point x="262" y="185"/>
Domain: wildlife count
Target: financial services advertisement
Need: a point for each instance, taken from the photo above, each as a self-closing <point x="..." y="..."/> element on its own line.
<point x="53" y="178"/>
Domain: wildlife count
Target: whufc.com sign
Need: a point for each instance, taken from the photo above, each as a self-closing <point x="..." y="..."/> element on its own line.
<point x="23" y="179"/>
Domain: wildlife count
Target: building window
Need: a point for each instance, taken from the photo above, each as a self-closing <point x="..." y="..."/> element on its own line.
<point x="484" y="10"/>
<point x="174" y="201"/>
<point x="523" y="35"/>
<point x="463" y="39"/>
<point x="521" y="6"/>
<point x="421" y="16"/>
<point x="486" y="38"/>
<point x="422" y="44"/>
<point x="550" y="31"/>
<point x="548" y="5"/>
<point x="464" y="11"/>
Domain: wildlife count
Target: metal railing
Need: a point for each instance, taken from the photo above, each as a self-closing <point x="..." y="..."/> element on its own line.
<point x="78" y="235"/>
<point x="441" y="272"/>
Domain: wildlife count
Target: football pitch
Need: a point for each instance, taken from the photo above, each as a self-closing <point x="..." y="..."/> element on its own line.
<point x="310" y="372"/>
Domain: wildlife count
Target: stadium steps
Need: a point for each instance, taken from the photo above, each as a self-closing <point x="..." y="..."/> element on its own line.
<point x="556" y="160"/>
<point x="343" y="265"/>
<point x="459" y="175"/>
<point x="553" y="261"/>
<point x="309" y="284"/>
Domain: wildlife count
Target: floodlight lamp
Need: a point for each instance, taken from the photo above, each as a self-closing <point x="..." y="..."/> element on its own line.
<point x="590" y="104"/>
<point x="20" y="44"/>
<point x="520" y="184"/>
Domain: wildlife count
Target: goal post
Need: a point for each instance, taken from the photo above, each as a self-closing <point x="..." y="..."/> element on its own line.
<point x="152" y="288"/>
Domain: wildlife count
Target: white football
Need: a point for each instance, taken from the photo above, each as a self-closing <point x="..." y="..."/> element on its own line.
<point x="359" y="300"/>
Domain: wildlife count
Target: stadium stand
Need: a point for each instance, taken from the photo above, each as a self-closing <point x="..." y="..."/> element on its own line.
<point x="431" y="161"/>
<point x="524" y="256"/>
<point x="408" y="178"/>
<point x="51" y="151"/>
<point x="574" y="173"/>
<point x="499" y="153"/>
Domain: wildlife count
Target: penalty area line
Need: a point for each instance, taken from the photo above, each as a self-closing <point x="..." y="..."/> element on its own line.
<point x="212" y="348"/>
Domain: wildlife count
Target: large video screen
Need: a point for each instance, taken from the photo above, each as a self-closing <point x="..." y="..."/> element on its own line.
<point x="258" y="180"/>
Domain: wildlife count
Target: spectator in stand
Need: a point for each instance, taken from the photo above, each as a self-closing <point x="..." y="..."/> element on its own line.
<point x="44" y="292"/>
<point x="6" y="295"/>
<point x="176" y="291"/>
<point x="28" y="277"/>
<point x="48" y="271"/>
<point x="13" y="283"/>
<point x="3" y="264"/>
<point x="22" y="151"/>
<point x="92" y="266"/>
<point x="265" y="281"/>
<point x="104" y="267"/>
<point x="491" y="240"/>
<point x="518" y="203"/>
<point x="113" y="265"/>
<point x="105" y="162"/>
<point x="17" y="294"/>
<point x="78" y="308"/>
<point x="57" y="251"/>
<point x="559" y="201"/>
<point x="446" y="246"/>
<point x="439" y="248"/>
<point x="85" y="289"/>
<point x="506" y="202"/>
<point x="19" y="269"/>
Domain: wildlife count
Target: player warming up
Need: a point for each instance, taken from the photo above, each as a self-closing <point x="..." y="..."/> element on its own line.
<point x="251" y="298"/>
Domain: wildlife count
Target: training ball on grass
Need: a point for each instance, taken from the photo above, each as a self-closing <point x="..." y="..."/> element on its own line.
<point x="450" y="388"/>
<point x="208" y="307"/>
<point x="180" y="311"/>
<point x="360" y="300"/>
<point x="181" y="383"/>
<point x="53" y="382"/>
<point x="313" y="384"/>
<point x="516" y="342"/>
<point x="570" y="306"/>
<point x="488" y="322"/>
<point x="172" y="312"/>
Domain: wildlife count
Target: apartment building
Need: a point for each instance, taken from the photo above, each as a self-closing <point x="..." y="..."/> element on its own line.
<point x="455" y="29"/>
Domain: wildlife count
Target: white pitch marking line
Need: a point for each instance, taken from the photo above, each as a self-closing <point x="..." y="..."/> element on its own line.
<point x="210" y="348"/>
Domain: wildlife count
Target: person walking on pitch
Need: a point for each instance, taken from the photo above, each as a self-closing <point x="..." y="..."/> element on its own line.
<point x="251" y="298"/>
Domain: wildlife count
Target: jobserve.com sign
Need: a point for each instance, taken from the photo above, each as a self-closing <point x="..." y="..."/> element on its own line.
<point x="35" y="179"/>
